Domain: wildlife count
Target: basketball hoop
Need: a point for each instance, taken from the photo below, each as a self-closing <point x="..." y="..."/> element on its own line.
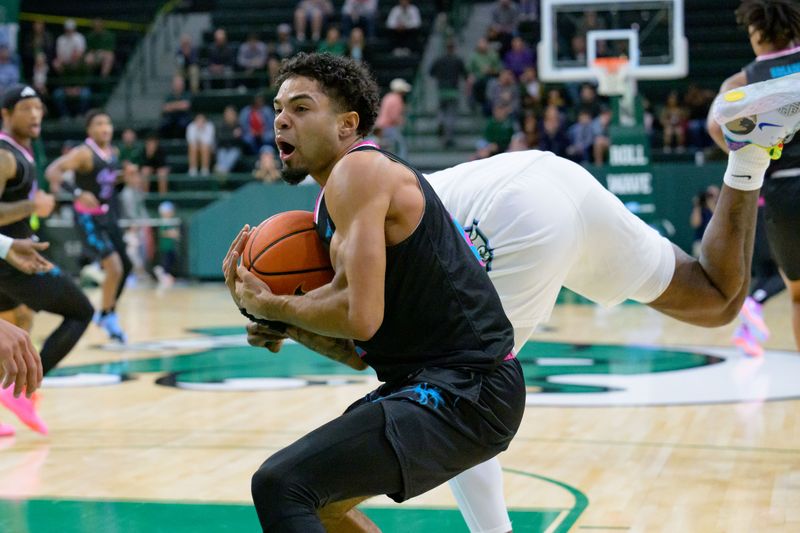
<point x="612" y="75"/>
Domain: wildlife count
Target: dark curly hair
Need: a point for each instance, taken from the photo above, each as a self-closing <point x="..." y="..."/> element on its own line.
<point x="350" y="85"/>
<point x="777" y="20"/>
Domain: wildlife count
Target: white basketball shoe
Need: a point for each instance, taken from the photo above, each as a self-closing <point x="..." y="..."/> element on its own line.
<point x="766" y="114"/>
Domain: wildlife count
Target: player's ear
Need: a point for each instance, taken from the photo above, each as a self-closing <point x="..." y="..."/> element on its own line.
<point x="348" y="123"/>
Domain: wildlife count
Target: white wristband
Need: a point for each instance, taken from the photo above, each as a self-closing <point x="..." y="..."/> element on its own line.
<point x="746" y="168"/>
<point x="5" y="245"/>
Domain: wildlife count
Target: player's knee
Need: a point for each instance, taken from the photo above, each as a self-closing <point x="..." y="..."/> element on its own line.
<point x="113" y="265"/>
<point x="83" y="310"/>
<point x="278" y="488"/>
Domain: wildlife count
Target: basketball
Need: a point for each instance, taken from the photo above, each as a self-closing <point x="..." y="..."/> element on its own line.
<point x="285" y="252"/>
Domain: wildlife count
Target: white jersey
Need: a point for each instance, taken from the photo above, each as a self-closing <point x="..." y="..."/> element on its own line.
<point x="541" y="222"/>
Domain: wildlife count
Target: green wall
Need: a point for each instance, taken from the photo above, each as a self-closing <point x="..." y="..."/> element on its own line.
<point x="212" y="229"/>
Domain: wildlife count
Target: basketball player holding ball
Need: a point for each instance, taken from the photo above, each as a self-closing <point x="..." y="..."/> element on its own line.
<point x="542" y="222"/>
<point x="408" y="298"/>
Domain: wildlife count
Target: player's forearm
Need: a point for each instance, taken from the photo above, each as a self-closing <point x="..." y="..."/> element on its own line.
<point x="726" y="253"/>
<point x="325" y="311"/>
<point x="14" y="211"/>
<point x="340" y="350"/>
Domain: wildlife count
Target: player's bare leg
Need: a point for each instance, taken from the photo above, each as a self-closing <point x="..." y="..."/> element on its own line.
<point x="343" y="517"/>
<point x="21" y="316"/>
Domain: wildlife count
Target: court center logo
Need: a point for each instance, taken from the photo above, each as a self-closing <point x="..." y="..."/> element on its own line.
<point x="556" y="374"/>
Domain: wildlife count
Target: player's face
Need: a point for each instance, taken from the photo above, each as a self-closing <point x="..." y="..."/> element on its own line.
<point x="101" y="130"/>
<point x="306" y="126"/>
<point x="26" y="118"/>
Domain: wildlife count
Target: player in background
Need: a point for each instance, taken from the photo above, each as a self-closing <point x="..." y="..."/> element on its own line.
<point x="96" y="167"/>
<point x="773" y="27"/>
<point x="47" y="289"/>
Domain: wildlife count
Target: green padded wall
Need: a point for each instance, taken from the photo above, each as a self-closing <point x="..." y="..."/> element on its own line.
<point x="212" y="229"/>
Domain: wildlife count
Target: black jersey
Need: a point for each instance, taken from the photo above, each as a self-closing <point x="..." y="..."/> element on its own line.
<point x="102" y="179"/>
<point x="772" y="66"/>
<point x="20" y="187"/>
<point x="440" y="308"/>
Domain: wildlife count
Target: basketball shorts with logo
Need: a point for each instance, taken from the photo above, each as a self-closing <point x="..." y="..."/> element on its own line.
<point x="442" y="421"/>
<point x="100" y="234"/>
<point x="782" y="214"/>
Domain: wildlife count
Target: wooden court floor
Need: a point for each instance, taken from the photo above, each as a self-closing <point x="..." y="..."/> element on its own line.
<point x="635" y="423"/>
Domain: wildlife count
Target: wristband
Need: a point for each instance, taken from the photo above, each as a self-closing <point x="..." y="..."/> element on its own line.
<point x="274" y="325"/>
<point x="746" y="168"/>
<point x="5" y="245"/>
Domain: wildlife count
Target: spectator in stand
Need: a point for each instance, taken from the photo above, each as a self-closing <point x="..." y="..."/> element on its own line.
<point x="101" y="44"/>
<point x="531" y="89"/>
<point x="252" y="56"/>
<point x="41" y="71"/>
<point x="283" y="47"/>
<point x="314" y="12"/>
<point x="132" y="207"/>
<point x="75" y="88"/>
<point x="256" y="121"/>
<point x="266" y="168"/>
<point x="528" y="10"/>
<point x="187" y="62"/>
<point x="392" y="117"/>
<point x="602" y="137"/>
<point x="505" y="19"/>
<point x="556" y="98"/>
<point x="703" y="206"/>
<point x="333" y="43"/>
<point x="528" y="138"/>
<point x="70" y="47"/>
<point x="404" y="23"/>
<point x="360" y="14"/>
<point x="448" y="70"/>
<point x="356" y="45"/>
<point x="484" y="65"/>
<point x="9" y="71"/>
<point x="169" y="237"/>
<point x="581" y="138"/>
<point x="697" y="102"/>
<point x="519" y="57"/>
<point x="497" y="134"/>
<point x="221" y="61"/>
<point x="130" y="150"/>
<point x="588" y="101"/>
<point x="200" y="141"/>
<point x="154" y="162"/>
<point x="229" y="142"/>
<point x="673" y="121"/>
<point x="504" y="91"/>
<point x="176" y="110"/>
<point x="588" y="22"/>
<point x="552" y="137"/>
<point x="38" y="41"/>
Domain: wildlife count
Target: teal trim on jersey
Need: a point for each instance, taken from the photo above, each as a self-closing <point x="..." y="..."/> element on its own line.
<point x="86" y="516"/>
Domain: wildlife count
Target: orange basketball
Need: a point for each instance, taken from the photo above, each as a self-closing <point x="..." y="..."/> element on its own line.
<point x="285" y="252"/>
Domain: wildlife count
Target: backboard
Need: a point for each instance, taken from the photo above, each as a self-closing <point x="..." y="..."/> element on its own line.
<point x="650" y="33"/>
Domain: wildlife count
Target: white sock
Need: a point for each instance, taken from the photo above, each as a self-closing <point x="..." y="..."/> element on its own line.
<point x="746" y="168"/>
